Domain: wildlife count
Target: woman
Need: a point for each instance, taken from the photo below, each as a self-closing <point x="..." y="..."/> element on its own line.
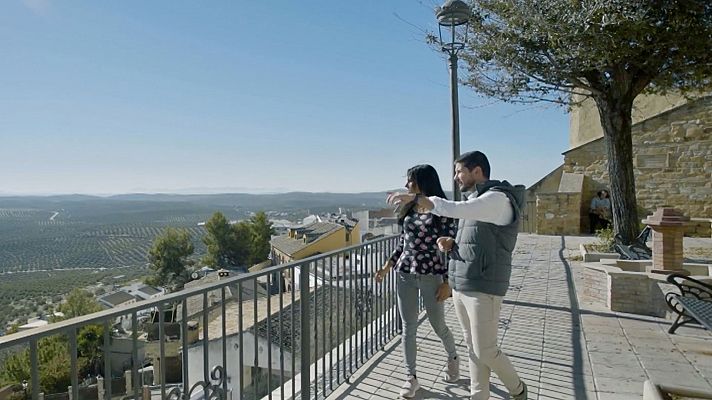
<point x="419" y="267"/>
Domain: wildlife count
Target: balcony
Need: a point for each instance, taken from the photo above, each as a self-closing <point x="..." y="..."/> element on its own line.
<point x="244" y="337"/>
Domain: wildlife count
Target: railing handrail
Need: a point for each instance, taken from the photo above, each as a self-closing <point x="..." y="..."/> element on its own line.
<point x="100" y="316"/>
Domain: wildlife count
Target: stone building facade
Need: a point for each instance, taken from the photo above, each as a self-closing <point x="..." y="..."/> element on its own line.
<point x="672" y="150"/>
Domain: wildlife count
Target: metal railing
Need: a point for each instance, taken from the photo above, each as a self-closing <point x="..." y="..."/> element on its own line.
<point x="296" y="330"/>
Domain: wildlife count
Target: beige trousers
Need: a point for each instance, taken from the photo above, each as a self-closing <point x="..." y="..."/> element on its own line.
<point x="478" y="314"/>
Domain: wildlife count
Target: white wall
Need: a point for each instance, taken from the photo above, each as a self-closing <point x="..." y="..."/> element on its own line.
<point x="195" y="359"/>
<point x="362" y="217"/>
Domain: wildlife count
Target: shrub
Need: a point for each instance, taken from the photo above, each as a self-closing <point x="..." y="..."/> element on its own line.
<point x="605" y="240"/>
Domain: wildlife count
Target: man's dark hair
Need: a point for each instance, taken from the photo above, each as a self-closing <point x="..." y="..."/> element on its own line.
<point x="475" y="159"/>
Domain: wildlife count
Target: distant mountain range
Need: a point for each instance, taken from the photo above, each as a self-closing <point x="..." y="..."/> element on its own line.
<point x="274" y="202"/>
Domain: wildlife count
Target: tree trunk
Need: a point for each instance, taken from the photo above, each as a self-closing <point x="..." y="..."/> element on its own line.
<point x="616" y="122"/>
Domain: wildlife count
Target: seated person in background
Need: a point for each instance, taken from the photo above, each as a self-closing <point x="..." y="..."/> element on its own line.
<point x="600" y="211"/>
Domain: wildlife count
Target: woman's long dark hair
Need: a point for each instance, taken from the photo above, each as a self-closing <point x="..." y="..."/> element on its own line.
<point x="428" y="181"/>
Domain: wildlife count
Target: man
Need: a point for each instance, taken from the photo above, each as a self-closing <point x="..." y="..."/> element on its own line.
<point x="480" y="265"/>
<point x="599" y="213"/>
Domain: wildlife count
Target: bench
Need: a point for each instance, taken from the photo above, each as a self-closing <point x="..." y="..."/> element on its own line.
<point x="692" y="304"/>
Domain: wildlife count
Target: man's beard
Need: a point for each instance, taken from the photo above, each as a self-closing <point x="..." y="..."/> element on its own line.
<point x="466" y="188"/>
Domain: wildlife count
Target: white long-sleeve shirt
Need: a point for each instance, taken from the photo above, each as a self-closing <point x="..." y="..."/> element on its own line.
<point x="493" y="207"/>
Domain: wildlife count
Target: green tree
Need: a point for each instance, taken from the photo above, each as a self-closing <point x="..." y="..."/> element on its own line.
<point x="90" y="341"/>
<point x="261" y="232"/>
<point x="169" y="258"/>
<point x="54" y="362"/>
<point x="14" y="328"/>
<point x="53" y="352"/>
<point x="90" y="338"/>
<point x="564" y="51"/>
<point x="228" y="245"/>
<point x="79" y="302"/>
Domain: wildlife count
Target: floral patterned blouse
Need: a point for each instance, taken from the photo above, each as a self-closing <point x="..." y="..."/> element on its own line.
<point x="417" y="252"/>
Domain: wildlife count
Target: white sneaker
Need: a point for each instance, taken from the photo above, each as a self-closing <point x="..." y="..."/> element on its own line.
<point x="410" y="386"/>
<point x="452" y="371"/>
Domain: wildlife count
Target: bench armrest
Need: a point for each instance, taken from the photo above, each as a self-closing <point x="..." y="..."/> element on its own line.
<point x="691" y="286"/>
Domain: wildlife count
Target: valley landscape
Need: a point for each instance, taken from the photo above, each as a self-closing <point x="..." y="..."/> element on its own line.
<point x="50" y="245"/>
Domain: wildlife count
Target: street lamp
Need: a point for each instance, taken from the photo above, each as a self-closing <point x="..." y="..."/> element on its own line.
<point x="453" y="17"/>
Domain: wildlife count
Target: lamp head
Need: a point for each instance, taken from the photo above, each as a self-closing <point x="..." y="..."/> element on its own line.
<point x="453" y="16"/>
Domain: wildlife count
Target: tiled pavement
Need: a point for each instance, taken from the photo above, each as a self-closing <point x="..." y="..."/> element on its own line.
<point x="562" y="348"/>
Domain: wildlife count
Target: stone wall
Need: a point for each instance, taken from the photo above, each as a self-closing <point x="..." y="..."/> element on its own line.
<point x="631" y="293"/>
<point x="548" y="184"/>
<point x="585" y="122"/>
<point x="623" y="291"/>
<point x="558" y="213"/>
<point x="699" y="228"/>
<point x="595" y="286"/>
<point x="672" y="160"/>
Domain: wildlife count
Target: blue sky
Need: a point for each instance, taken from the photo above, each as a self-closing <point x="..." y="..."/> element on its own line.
<point x="187" y="96"/>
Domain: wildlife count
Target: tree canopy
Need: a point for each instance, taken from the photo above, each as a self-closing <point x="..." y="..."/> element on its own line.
<point x="53" y="352"/>
<point x="563" y="51"/>
<point x="169" y="258"/>
<point x="261" y="232"/>
<point x="54" y="373"/>
<point x="227" y="244"/>
<point x="78" y="302"/>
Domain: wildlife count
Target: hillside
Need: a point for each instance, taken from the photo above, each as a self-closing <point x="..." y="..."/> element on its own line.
<point x="78" y="231"/>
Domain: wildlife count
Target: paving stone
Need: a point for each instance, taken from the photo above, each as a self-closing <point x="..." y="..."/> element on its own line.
<point x="686" y="377"/>
<point x="618" y="396"/>
<point x="552" y="394"/>
<point x="618" y="385"/>
<point x="673" y="362"/>
<point x="575" y="383"/>
<point x="627" y="360"/>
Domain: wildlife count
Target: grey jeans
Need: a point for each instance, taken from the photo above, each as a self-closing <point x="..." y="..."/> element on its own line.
<point x="408" y="286"/>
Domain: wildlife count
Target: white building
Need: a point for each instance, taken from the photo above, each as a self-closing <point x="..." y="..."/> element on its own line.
<point x="32" y="323"/>
<point x="260" y="343"/>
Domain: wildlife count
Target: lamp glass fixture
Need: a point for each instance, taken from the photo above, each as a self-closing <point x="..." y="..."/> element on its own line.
<point x="453" y="16"/>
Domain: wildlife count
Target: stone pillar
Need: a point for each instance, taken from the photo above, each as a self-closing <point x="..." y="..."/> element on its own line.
<point x="668" y="226"/>
<point x="193" y="334"/>
<point x="157" y="366"/>
<point x="129" y="381"/>
<point x="100" y="388"/>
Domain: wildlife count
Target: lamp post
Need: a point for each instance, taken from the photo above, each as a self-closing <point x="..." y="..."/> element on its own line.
<point x="453" y="17"/>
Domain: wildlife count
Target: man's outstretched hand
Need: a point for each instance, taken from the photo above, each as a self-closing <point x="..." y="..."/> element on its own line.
<point x="398" y="198"/>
